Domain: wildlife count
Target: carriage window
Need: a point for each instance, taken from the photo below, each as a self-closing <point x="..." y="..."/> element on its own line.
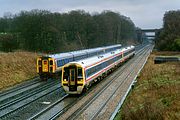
<point x="65" y="61"/>
<point x="59" y="62"/>
<point x="79" y="73"/>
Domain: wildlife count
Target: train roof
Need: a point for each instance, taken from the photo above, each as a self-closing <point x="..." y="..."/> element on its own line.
<point x="61" y="55"/>
<point x="89" y="61"/>
<point x="80" y="52"/>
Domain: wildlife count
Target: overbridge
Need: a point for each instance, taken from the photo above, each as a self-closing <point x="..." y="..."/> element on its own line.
<point x="147" y="33"/>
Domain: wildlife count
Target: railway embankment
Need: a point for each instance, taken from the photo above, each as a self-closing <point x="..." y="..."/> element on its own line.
<point x="16" y="67"/>
<point x="156" y="94"/>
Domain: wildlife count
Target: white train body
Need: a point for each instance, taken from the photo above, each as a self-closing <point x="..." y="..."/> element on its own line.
<point x="78" y="75"/>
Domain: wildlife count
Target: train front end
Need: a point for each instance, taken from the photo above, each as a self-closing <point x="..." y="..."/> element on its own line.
<point x="45" y="67"/>
<point x="73" y="78"/>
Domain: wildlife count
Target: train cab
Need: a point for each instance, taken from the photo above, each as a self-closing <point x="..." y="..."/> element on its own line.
<point x="45" y="65"/>
<point x="73" y="78"/>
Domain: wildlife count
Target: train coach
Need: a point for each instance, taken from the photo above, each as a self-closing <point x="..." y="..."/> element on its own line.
<point x="78" y="76"/>
<point x="49" y="66"/>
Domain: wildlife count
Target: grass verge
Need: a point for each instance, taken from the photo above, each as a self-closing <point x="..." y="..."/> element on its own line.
<point x="156" y="96"/>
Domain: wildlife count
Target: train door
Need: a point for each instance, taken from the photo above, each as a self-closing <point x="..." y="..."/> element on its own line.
<point x="39" y="65"/>
<point x="51" y="65"/>
<point x="72" y="79"/>
<point x="45" y="65"/>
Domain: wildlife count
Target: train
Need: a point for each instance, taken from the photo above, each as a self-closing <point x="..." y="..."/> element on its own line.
<point x="78" y="76"/>
<point x="49" y="65"/>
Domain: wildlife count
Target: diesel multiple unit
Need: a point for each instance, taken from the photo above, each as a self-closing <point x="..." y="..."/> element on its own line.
<point x="78" y="75"/>
<point x="48" y="66"/>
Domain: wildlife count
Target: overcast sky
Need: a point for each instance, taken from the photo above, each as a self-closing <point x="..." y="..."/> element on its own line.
<point x="144" y="13"/>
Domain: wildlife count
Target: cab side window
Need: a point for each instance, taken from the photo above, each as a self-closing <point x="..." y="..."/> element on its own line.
<point x="79" y="73"/>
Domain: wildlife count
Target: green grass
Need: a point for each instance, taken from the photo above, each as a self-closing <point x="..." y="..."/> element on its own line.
<point x="156" y="94"/>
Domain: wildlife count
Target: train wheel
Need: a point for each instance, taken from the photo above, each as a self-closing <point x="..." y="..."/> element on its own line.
<point x="41" y="77"/>
<point x="44" y="77"/>
<point x="85" y="89"/>
<point x="100" y="78"/>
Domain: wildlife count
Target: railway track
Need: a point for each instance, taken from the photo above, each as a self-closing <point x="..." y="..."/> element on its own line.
<point x="17" y="89"/>
<point x="97" y="103"/>
<point x="24" y="99"/>
<point x="60" y="110"/>
<point x="28" y="95"/>
<point x="121" y="85"/>
<point x="22" y="94"/>
<point x="47" y="109"/>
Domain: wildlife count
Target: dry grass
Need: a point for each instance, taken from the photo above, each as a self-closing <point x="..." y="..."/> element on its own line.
<point x="16" y="67"/>
<point x="166" y="53"/>
<point x="156" y="96"/>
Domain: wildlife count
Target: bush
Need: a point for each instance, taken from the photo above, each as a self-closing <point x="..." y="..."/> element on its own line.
<point x="176" y="45"/>
<point x="8" y="42"/>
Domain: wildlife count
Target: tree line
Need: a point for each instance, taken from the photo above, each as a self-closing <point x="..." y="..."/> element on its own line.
<point x="168" y="38"/>
<point x="44" y="31"/>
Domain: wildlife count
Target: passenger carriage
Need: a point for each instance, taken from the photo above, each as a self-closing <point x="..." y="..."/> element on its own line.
<point x="77" y="76"/>
<point x="48" y="66"/>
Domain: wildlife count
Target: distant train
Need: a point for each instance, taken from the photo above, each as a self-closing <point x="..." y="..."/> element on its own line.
<point x="48" y="66"/>
<point x="78" y="76"/>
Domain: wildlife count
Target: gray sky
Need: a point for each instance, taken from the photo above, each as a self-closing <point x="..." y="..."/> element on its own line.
<point x="144" y="13"/>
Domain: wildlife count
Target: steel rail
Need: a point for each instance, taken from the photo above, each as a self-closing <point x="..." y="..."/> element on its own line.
<point x="47" y="108"/>
<point x="25" y="95"/>
<point x="44" y="93"/>
<point x="18" y="87"/>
